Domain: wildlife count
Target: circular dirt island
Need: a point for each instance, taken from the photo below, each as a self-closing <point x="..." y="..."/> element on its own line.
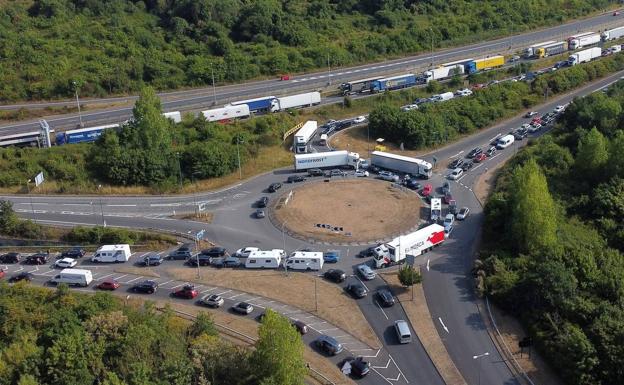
<point x="347" y="211"/>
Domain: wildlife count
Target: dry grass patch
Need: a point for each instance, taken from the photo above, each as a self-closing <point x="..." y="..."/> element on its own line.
<point x="294" y="289"/>
<point x="420" y="318"/>
<point x="144" y="271"/>
<point x="198" y="217"/>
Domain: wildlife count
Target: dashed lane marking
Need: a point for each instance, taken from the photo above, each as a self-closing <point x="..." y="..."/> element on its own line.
<point x="227" y="291"/>
<point x="134" y="279"/>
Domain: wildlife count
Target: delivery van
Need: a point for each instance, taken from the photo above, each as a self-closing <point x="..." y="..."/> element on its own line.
<point x="505" y="141"/>
<point x="73" y="277"/>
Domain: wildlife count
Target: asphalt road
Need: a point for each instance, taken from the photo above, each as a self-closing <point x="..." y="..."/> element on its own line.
<point x="204" y="98"/>
<point x="447" y="281"/>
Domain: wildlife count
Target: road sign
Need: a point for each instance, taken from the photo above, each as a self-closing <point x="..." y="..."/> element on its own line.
<point x="39" y="179"/>
<point x="200" y="234"/>
<point x="410" y="260"/>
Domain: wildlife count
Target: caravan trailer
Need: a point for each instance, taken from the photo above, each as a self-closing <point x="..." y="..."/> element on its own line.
<point x="300" y="260"/>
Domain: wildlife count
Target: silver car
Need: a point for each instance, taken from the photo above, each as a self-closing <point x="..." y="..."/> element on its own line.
<point x="388" y="176"/>
<point x="366" y="272"/>
<point x="463" y="213"/>
<point x="212" y="300"/>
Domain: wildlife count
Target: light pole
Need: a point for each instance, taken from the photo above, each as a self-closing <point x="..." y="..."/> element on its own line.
<point x="179" y="169"/>
<point x="478" y="357"/>
<point x="101" y="206"/>
<point x="328" y="71"/>
<point x="30" y="197"/>
<point x="78" y="102"/>
<point x="284" y="245"/>
<point x="240" y="171"/>
<point x="431" y="29"/>
<point x="214" y="91"/>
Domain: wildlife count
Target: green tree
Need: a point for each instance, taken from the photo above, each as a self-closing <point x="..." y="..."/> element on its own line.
<point x="534" y="214"/>
<point x="592" y="155"/>
<point x="8" y="218"/>
<point x="67" y="360"/>
<point x="203" y="324"/>
<point x="278" y="357"/>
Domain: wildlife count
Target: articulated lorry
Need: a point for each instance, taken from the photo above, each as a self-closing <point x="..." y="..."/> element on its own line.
<point x="552" y="49"/>
<point x="531" y="51"/>
<point x="485" y="64"/>
<point x="444" y="72"/>
<point x="584" y="56"/>
<point x="406" y="164"/>
<point x="262" y="104"/>
<point x="89" y="134"/>
<point x="227" y="113"/>
<point x="393" y="83"/>
<point x="612" y="34"/>
<point x="304" y="136"/>
<point x="327" y="159"/>
<point x="583" y="40"/>
<point x="413" y="244"/>
<point x="308" y="99"/>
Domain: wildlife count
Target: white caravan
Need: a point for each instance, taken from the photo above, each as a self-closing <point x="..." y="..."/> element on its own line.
<point x="300" y="260"/>
<point x="265" y="259"/>
<point x="112" y="253"/>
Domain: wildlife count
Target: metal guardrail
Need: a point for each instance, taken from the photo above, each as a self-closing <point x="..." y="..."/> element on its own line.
<point x="292" y="131"/>
<point x="318" y="376"/>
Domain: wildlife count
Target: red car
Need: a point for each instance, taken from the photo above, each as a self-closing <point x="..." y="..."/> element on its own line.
<point x="109" y="284"/>
<point x="616" y="13"/>
<point x="480" y="158"/>
<point x="537" y="120"/>
<point x="285" y="77"/>
<point x="2" y="273"/>
<point x="187" y="291"/>
<point x="478" y="86"/>
<point x="426" y="191"/>
<point x="447" y="198"/>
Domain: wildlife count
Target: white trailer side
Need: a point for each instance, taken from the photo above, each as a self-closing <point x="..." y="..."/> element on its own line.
<point x="227" y="113"/>
<point x="414" y="166"/>
<point x="304" y="135"/>
<point x="327" y="159"/>
<point x="297" y="101"/>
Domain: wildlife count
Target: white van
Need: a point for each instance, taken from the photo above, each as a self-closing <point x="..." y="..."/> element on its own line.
<point x="112" y="253"/>
<point x="403" y="331"/>
<point x="442" y="97"/>
<point x="323" y="140"/>
<point x="73" y="277"/>
<point x="505" y="141"/>
<point x="300" y="260"/>
<point x="264" y="259"/>
<point x="436" y="209"/>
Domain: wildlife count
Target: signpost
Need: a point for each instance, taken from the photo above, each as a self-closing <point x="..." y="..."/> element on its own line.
<point x="39" y="179"/>
<point x="198" y="237"/>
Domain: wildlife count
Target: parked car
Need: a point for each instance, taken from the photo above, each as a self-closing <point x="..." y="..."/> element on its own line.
<point x="23" y="276"/>
<point x="187" y="291"/>
<point x="284" y="77"/>
<point x="74" y="252"/>
<point x="361" y="173"/>
<point x="260" y="214"/>
<point x="448" y="222"/>
<point x="332" y="256"/>
<point x="151" y="259"/>
<point x="359" y="367"/>
<point x="426" y="191"/>
<point x="328" y="345"/>
<point x="386" y="299"/>
<point x="10" y="257"/>
<point x="409" y="107"/>
<point x="245" y="251"/>
<point x="559" y="109"/>
<point x="368" y="252"/>
<point x="315" y="172"/>
<point x="366" y="272"/>
<point x="446" y="187"/>
<point x="357" y="290"/>
<point x="231" y="262"/>
<point x="37" y="259"/>
<point x="535" y="127"/>
<point x="242" y="308"/>
<point x="109" y="284"/>
<point x="212" y="300"/>
<point x="491" y="151"/>
<point x="295" y="179"/>
<point x="456" y="174"/>
<point x="412" y="184"/>
<point x="332" y="173"/>
<point x="262" y="202"/>
<point x="201" y="259"/>
<point x="359" y="119"/>
<point x="65" y="263"/>
<point x="148" y="287"/>
<point x="463" y="213"/>
<point x="480" y="158"/>
<point x="273" y="187"/>
<point x="474" y="152"/>
<point x="214" y="251"/>
<point x="335" y="275"/>
<point x="301" y="327"/>
<point x="183" y="252"/>
<point x="456" y="163"/>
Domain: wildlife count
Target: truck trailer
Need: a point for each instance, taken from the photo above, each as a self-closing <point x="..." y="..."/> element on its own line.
<point x="584" y="41"/>
<point x="262" y="104"/>
<point x="89" y="134"/>
<point x="227" y="113"/>
<point x="612" y="34"/>
<point x="552" y="49"/>
<point x="413" y="244"/>
<point x="176" y="116"/>
<point x="393" y="83"/>
<point x="584" y="56"/>
<point x="444" y="72"/>
<point x="357" y="86"/>
<point x="406" y="164"/>
<point x="297" y="101"/>
<point x="304" y="135"/>
<point x="327" y="159"/>
<point x="484" y="64"/>
<point x="531" y="51"/>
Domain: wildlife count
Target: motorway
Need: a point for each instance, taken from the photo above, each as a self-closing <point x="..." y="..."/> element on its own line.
<point x="446" y="271"/>
<point x="203" y="98"/>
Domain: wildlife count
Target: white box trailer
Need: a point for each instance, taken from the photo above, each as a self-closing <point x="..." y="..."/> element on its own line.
<point x="413" y="244"/>
<point x="297" y="101"/>
<point x="304" y="135"/>
<point x="406" y="164"/>
<point x="444" y="72"/>
<point x="584" y="41"/>
<point x="264" y="259"/>
<point x="436" y="209"/>
<point x="308" y="260"/>
<point x="73" y="277"/>
<point x="529" y="52"/>
<point x="327" y="159"/>
<point x="176" y="116"/>
<point x="226" y="113"/>
<point x="612" y="34"/>
<point x="584" y="56"/>
<point x="112" y="253"/>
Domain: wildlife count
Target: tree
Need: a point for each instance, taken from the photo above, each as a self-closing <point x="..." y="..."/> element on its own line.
<point x="534" y="214"/>
<point x="278" y="357"/>
<point x="203" y="324"/>
<point x="408" y="276"/>
<point x="8" y="218"/>
<point x="67" y="360"/>
<point x="592" y="155"/>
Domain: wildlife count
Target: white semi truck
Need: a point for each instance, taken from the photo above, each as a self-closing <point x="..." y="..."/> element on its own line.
<point x="583" y="40"/>
<point x="531" y="51"/>
<point x="584" y="56"/>
<point x="327" y="159"/>
<point x="406" y="164"/>
<point x="304" y="135"/>
<point x="296" y="101"/>
<point x="413" y="244"/>
<point x="612" y="34"/>
<point x="444" y="72"/>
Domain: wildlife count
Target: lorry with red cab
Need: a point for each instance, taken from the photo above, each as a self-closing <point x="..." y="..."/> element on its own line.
<point x="413" y="244"/>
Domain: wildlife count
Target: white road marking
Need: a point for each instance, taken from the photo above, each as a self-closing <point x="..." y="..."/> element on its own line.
<point x="74" y="204"/>
<point x="327" y="330"/>
<point x="165" y="204"/>
<point x="176" y="286"/>
<point x="497" y="135"/>
<point x="237" y="295"/>
<point x="105" y="276"/>
<point x="456" y="155"/>
<point x="120" y="277"/>
<point x="362" y="282"/>
<point x="428" y="260"/>
<point x="382" y="310"/>
<point x="443" y="325"/>
<point x="132" y="280"/>
<point x="480" y="164"/>
<point x="227" y="291"/>
<point x="120" y="205"/>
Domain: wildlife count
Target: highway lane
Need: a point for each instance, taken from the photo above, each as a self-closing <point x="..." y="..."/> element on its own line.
<point x="205" y="98"/>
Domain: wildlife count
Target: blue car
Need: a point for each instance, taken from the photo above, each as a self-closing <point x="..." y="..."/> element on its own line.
<point x="331" y="257"/>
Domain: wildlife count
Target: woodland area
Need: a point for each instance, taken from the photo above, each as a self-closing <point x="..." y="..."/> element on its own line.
<point x="119" y="46"/>
<point x="554" y="240"/>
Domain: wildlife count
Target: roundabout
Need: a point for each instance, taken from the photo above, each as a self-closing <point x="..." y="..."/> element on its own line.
<point x="347" y="211"/>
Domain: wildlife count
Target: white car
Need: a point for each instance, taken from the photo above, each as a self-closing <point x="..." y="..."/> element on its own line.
<point x="463" y="213"/>
<point x="388" y="176"/>
<point x="559" y="109"/>
<point x="212" y="300"/>
<point x="409" y="107"/>
<point x="65" y="263"/>
<point x="245" y="251"/>
<point x="456" y="174"/>
<point x="448" y="222"/>
<point x="535" y="127"/>
<point x="359" y="119"/>
<point x="361" y="173"/>
<point x="464" y="92"/>
<point x="526" y="126"/>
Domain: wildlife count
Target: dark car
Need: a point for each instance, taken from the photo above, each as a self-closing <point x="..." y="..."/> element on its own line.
<point x="520" y="133"/>
<point x="359" y="367"/>
<point x="179" y="255"/>
<point x="386" y="298"/>
<point x="315" y="172"/>
<point x="260" y="214"/>
<point x="273" y="187"/>
<point x="214" y="251"/>
<point x="332" y="256"/>
<point x="231" y="262"/>
<point x="335" y="275"/>
<point x="242" y="308"/>
<point x="356" y="290"/>
<point x="23" y="276"/>
<point x="446" y="187"/>
<point x="74" y="252"/>
<point x="37" y="259"/>
<point x="262" y="202"/>
<point x="448" y="197"/>
<point x="421" y="101"/>
<point x="480" y="158"/>
<point x="474" y="152"/>
<point x="10" y="258"/>
<point x="456" y="163"/>
<point x="301" y="327"/>
<point x="295" y="179"/>
<point x="368" y="252"/>
<point x="412" y="184"/>
<point x="344" y="124"/>
<point x="203" y="260"/>
<point x="152" y="259"/>
<point x="148" y="287"/>
<point x="467" y="165"/>
<point x="328" y="345"/>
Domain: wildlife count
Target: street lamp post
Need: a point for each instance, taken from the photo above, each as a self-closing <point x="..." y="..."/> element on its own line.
<point x="328" y="71"/>
<point x="431" y="29"/>
<point x="214" y="91"/>
<point x="78" y="102"/>
<point x="240" y="171"/>
<point x="478" y="357"/>
<point x="101" y="206"/>
<point x="32" y="207"/>
<point x="284" y="245"/>
<point x="179" y="169"/>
